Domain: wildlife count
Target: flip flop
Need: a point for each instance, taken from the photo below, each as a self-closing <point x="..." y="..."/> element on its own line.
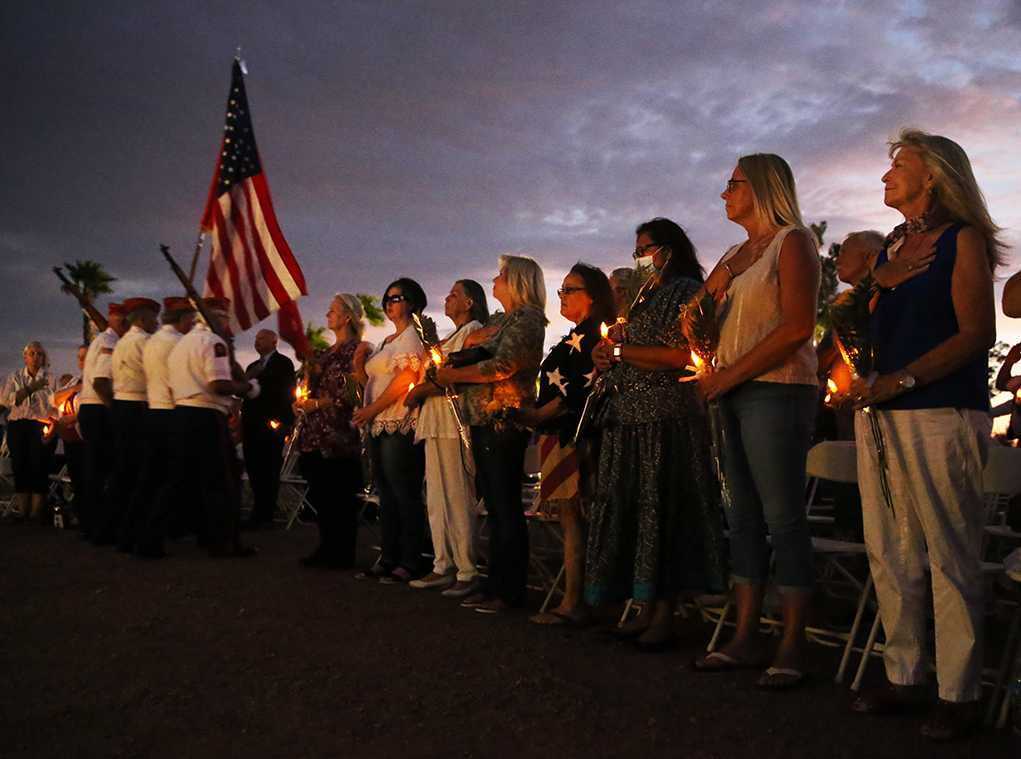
<point x="797" y="679"/>
<point x="726" y="663"/>
<point x="556" y="619"/>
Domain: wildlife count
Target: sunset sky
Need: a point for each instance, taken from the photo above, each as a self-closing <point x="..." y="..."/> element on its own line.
<point x="425" y="138"/>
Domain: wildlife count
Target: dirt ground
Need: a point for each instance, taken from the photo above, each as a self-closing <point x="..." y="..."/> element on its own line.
<point x="107" y="655"/>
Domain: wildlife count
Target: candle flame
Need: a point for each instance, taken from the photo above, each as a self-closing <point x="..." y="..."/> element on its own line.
<point x="411" y="386"/>
<point x="301" y="392"/>
<point x="274" y="424"/>
<point x="696" y="361"/>
<point x="604" y="330"/>
<point x="47" y="429"/>
<point x="436" y="355"/>
<point x="831" y="385"/>
<point x="621" y="320"/>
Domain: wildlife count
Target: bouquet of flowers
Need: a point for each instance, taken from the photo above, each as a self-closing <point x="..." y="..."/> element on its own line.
<point x="425" y="328"/>
<point x="850" y="315"/>
<point x="703" y="333"/>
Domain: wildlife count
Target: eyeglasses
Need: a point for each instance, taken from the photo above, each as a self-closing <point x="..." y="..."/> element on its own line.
<point x="565" y="291"/>
<point x="640" y="250"/>
<point x="733" y="183"/>
<point x="394" y="299"/>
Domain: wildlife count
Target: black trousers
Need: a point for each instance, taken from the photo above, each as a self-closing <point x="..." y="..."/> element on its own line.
<point x="155" y="465"/>
<point x="94" y="420"/>
<point x="205" y="471"/>
<point x="263" y="451"/>
<point x="333" y="485"/>
<point x="499" y="467"/>
<point x="128" y="421"/>
<point x="31" y="455"/>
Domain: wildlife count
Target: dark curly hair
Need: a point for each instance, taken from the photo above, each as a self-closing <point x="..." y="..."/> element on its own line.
<point x="683" y="261"/>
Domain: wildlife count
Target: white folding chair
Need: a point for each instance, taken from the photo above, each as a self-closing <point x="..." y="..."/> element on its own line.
<point x="1001" y="481"/>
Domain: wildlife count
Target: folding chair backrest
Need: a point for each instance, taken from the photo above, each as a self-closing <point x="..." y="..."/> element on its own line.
<point x="1001" y="480"/>
<point x="835" y="460"/>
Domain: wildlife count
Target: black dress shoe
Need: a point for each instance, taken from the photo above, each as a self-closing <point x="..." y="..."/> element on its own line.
<point x="655" y="646"/>
<point x="234" y="553"/>
<point x="152" y="553"/>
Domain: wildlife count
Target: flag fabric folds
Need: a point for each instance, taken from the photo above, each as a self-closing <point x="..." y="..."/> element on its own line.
<point x="250" y="262"/>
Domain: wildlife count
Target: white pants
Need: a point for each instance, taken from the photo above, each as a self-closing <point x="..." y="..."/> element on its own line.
<point x="936" y="458"/>
<point x="451" y="507"/>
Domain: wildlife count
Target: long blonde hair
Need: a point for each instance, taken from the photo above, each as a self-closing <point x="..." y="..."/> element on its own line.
<point x="954" y="189"/>
<point x="774" y="195"/>
<point x="525" y="281"/>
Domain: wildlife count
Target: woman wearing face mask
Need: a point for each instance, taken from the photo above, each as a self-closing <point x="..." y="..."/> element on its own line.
<point x="656" y="528"/>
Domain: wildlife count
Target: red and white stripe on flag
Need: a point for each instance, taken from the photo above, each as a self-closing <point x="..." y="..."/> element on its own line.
<point x="250" y="261"/>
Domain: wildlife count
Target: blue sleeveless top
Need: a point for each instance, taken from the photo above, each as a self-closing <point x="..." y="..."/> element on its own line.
<point x="914" y="318"/>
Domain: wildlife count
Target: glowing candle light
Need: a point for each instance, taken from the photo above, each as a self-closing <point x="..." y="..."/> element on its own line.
<point x="47" y="429"/>
<point x="436" y="356"/>
<point x="604" y="330"/>
<point x="274" y="424"/>
<point x="831" y="386"/>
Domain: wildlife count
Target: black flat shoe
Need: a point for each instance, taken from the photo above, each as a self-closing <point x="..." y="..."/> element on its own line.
<point x="654" y="646"/>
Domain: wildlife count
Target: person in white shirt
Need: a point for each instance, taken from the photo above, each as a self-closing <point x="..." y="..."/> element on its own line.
<point x="127" y="415"/>
<point x="204" y="463"/>
<point x="94" y="419"/>
<point x="31" y="430"/>
<point x="178" y="318"/>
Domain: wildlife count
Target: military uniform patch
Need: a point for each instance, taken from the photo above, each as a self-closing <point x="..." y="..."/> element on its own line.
<point x="220" y="350"/>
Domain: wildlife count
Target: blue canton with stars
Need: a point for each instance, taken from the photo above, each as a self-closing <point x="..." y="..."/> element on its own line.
<point x="568" y="373"/>
<point x="239" y="158"/>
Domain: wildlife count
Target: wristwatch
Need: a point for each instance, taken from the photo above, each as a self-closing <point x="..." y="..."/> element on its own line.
<point x="907" y="380"/>
<point x="616" y="352"/>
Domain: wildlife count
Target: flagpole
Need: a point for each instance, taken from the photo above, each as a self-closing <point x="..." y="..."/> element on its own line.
<point x="195" y="258"/>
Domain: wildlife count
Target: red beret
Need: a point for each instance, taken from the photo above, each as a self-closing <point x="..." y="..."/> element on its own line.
<point x="177" y="304"/>
<point x="132" y="303"/>
<point x="115" y="309"/>
<point x="217" y="304"/>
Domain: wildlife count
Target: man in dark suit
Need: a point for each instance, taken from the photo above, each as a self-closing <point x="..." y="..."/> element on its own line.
<point x="264" y="422"/>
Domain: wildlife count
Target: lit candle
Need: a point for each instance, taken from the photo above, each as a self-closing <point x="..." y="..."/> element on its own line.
<point x="604" y="330"/>
<point x="274" y="424"/>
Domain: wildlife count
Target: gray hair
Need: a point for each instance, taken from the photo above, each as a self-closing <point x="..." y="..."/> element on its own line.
<point x="352" y="305"/>
<point x="872" y="239"/>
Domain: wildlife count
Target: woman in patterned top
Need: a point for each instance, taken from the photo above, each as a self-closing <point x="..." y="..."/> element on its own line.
<point x="398" y="462"/>
<point x="568" y="466"/>
<point x="656" y="526"/>
<point x="329" y="445"/>
<point x="505" y="380"/>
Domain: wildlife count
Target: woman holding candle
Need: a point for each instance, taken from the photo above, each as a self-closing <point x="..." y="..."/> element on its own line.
<point x="398" y="462"/>
<point x="510" y="352"/>
<point x="329" y="446"/>
<point x="656" y="528"/>
<point x="568" y="466"/>
<point x="766" y="289"/>
<point x="933" y="323"/>
<point x="31" y="430"/>
<point x="448" y="490"/>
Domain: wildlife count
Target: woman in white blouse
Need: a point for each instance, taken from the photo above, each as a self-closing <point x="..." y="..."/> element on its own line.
<point x="31" y="429"/>
<point x="398" y="462"/>
<point x="448" y="489"/>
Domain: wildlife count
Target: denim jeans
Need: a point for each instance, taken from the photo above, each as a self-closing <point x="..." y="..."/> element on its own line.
<point x="499" y="467"/>
<point x="767" y="434"/>
<point x="398" y="468"/>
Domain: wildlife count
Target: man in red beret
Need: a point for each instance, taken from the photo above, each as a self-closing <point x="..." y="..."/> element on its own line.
<point x="94" y="420"/>
<point x="127" y="415"/>
<point x="205" y="468"/>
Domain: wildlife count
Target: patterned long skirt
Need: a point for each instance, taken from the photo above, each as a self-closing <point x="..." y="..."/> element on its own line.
<point x="656" y="526"/>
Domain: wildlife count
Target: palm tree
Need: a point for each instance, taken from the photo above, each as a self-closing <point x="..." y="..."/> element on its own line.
<point x="92" y="279"/>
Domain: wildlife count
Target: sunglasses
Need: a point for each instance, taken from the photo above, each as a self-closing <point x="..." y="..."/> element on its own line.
<point x="394" y="299"/>
<point x="563" y="291"/>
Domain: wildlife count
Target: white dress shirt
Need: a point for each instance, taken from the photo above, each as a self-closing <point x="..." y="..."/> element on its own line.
<point x="98" y="363"/>
<point x="37" y="405"/>
<point x="199" y="358"/>
<point x="129" y="383"/>
<point x="155" y="361"/>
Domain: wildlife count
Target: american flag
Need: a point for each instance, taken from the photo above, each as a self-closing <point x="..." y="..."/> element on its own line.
<point x="250" y="261"/>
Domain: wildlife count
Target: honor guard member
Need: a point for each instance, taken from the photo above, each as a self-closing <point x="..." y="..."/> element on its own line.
<point x="94" y="419"/>
<point x="205" y="466"/>
<point x="127" y="415"/>
<point x="178" y="318"/>
<point x="264" y="422"/>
